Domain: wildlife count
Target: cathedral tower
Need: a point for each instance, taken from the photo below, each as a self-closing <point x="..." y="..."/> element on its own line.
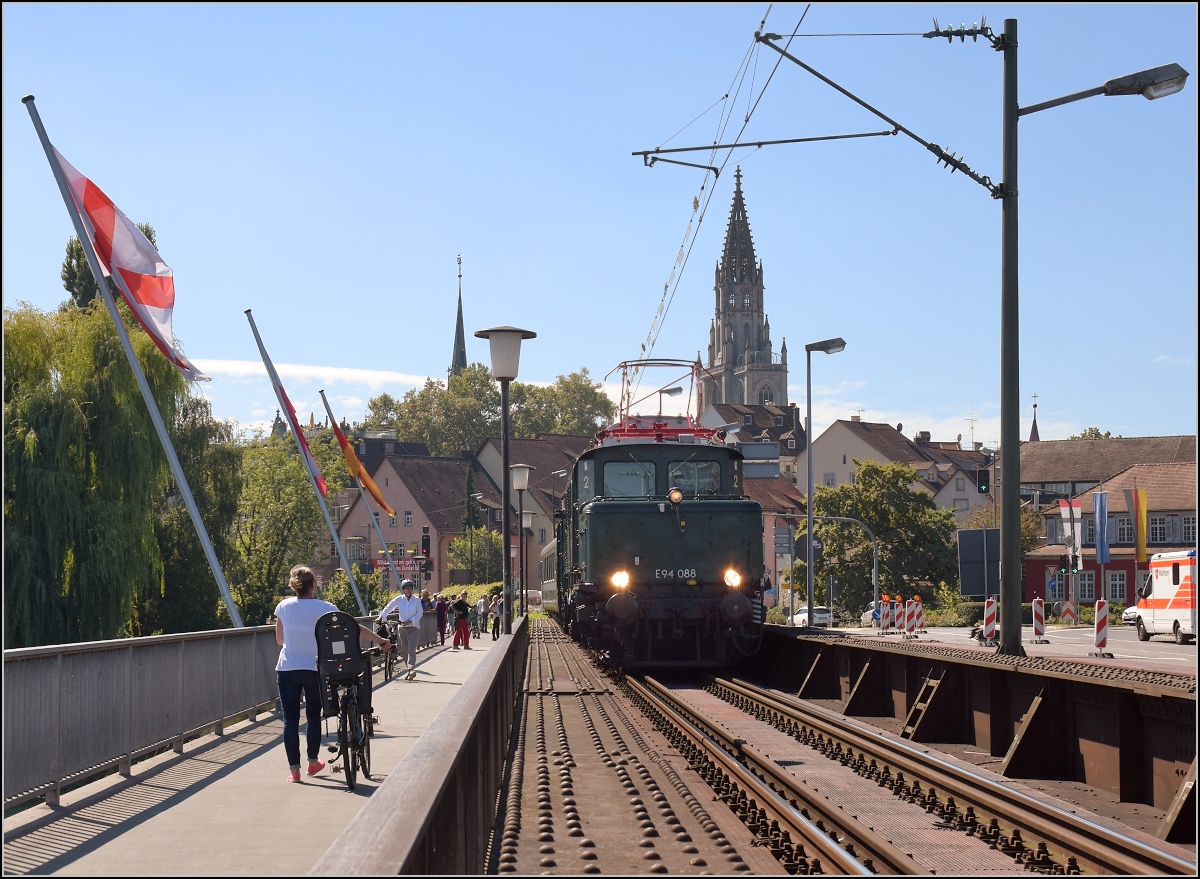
<point x="740" y="358"/>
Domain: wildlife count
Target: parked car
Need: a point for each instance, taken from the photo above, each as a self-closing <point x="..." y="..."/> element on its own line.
<point x="870" y="616"/>
<point x="821" y="617"/>
<point x="1130" y="615"/>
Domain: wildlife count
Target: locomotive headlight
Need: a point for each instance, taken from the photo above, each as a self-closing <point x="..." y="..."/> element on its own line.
<point x="733" y="579"/>
<point x="675" y="495"/>
<point x="620" y="579"/>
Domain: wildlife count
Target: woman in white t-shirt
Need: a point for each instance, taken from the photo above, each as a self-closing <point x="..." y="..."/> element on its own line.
<point x="296" y="671"/>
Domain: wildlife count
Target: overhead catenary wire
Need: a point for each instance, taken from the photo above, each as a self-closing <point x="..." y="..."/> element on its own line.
<point x="699" y="211"/>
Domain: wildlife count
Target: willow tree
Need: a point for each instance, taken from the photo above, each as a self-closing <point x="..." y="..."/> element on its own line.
<point x="83" y="467"/>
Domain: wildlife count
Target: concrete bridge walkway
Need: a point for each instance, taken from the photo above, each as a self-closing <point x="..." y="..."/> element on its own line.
<point x="224" y="807"/>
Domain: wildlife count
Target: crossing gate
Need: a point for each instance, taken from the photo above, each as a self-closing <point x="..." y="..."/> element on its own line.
<point x="1101" y="629"/>
<point x="1039" y="622"/>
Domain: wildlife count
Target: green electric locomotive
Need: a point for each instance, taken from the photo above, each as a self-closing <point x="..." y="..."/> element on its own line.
<point x="658" y="555"/>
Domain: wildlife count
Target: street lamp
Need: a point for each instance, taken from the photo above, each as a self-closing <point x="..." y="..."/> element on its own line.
<point x="505" y="343"/>
<point x="829" y="346"/>
<point x="520" y="484"/>
<point x="471" y="533"/>
<point x="526" y="525"/>
<point x="1155" y="83"/>
<point x="670" y="392"/>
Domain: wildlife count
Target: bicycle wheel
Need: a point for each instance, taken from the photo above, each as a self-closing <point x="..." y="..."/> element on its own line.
<point x="389" y="664"/>
<point x="364" y="751"/>
<point x="349" y="731"/>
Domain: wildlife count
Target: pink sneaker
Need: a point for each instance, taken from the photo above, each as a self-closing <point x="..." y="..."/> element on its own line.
<point x="314" y="768"/>
<point x="294" y="775"/>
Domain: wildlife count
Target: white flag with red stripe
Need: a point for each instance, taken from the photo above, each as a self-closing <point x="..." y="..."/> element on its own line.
<point x="127" y="256"/>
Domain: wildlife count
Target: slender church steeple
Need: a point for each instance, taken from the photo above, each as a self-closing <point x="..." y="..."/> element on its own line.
<point x="1034" y="436"/>
<point x="740" y="355"/>
<point x="458" y="360"/>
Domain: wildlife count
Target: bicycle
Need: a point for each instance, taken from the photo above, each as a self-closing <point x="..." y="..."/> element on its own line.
<point x="387" y="629"/>
<point x="345" y="673"/>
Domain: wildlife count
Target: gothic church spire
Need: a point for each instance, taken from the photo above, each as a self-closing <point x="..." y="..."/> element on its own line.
<point x="458" y="360"/>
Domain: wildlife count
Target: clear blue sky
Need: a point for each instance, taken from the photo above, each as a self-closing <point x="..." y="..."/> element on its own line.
<point x="324" y="165"/>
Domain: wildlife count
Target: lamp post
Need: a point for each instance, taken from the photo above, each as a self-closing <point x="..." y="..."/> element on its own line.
<point x="505" y="344"/>
<point x="471" y="532"/>
<point x="1157" y="82"/>
<point x="526" y="523"/>
<point x="829" y="346"/>
<point x="670" y="392"/>
<point x="520" y="484"/>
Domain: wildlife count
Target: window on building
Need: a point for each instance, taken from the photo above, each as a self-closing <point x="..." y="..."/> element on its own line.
<point x="1189" y="529"/>
<point x="747" y="420"/>
<point x="746" y="300"/>
<point x="1116" y="585"/>
<point x="1089" y="530"/>
<point x="362" y="448"/>
<point x="960" y="484"/>
<point x="389" y="448"/>
<point x="408" y="518"/>
<point x="792" y="445"/>
<point x="830" y="480"/>
<point x="541" y="535"/>
<point x="498" y="517"/>
<point x="1054" y="586"/>
<point x="1086" y="582"/>
<point x="843" y="459"/>
<point x="961" y="503"/>
<point x="1124" y="531"/>
<point x="392" y="521"/>
<point x="1158" y="529"/>
<point x="854" y="477"/>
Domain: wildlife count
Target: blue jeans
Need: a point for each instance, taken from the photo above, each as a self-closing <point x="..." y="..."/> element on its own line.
<point x="291" y="685"/>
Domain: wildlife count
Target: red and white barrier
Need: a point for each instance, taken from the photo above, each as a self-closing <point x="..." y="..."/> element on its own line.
<point x="1101" y="629"/>
<point x="885" y="615"/>
<point x="920" y="614"/>
<point x="898" y="615"/>
<point x="1039" y="622"/>
<point x="989" y="619"/>
<point x="910" y="619"/>
<point x="1068" y="613"/>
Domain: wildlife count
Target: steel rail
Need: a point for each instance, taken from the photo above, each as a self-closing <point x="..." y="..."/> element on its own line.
<point x="877" y="853"/>
<point x="1092" y="845"/>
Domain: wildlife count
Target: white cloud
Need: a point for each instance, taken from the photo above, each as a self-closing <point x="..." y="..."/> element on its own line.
<point x="254" y="369"/>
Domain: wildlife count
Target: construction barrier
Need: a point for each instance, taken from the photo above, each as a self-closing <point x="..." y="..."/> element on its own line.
<point x="1101" y="629"/>
<point x="910" y="619"/>
<point x="989" y="621"/>
<point x="885" y="615"/>
<point x="1039" y="622"/>
<point x="920" y="614"/>
<point x="1068" y="613"/>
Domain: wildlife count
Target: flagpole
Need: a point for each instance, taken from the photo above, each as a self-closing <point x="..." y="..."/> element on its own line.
<point x="274" y="377"/>
<point x="155" y="416"/>
<point x="374" y="521"/>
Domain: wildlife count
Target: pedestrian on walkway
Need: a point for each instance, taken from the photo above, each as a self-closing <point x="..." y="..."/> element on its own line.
<point x="410" y="611"/>
<point x="497" y="611"/>
<point x="296" y="670"/>
<point x="462" y="634"/>
<point x="426" y="601"/>
<point x="481" y="613"/>
<point x="473" y="619"/>
<point x="442" y="607"/>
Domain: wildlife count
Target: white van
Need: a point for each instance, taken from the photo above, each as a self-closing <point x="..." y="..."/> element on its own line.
<point x="1167" y="602"/>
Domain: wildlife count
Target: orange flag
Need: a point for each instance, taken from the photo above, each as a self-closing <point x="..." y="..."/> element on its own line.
<point x="358" y="471"/>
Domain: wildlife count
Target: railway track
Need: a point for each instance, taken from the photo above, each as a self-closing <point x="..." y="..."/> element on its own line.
<point x="615" y="774"/>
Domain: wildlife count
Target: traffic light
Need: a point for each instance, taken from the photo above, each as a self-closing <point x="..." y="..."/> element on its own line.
<point x="425" y="545"/>
<point x="1075" y="564"/>
<point x="1062" y="564"/>
<point x="982" y="482"/>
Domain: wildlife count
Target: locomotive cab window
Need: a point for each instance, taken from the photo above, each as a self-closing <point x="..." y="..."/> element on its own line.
<point x="628" y="479"/>
<point x="695" y="478"/>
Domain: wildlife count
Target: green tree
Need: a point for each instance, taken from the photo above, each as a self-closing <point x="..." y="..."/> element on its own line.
<point x="83" y="469"/>
<point x="479" y="550"/>
<point x="986" y="516"/>
<point x="1093" y="433"/>
<point x="211" y="458"/>
<point x="337" y="591"/>
<point x="583" y="406"/>
<point x="915" y="538"/>
<point x="382" y="413"/>
<point x="278" y="525"/>
<point x="77" y="275"/>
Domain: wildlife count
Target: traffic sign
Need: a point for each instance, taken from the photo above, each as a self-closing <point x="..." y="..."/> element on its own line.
<point x="802" y="547"/>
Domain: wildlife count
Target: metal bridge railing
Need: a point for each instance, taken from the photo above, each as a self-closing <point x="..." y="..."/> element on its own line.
<point x="76" y="711"/>
<point x="438" y="821"/>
